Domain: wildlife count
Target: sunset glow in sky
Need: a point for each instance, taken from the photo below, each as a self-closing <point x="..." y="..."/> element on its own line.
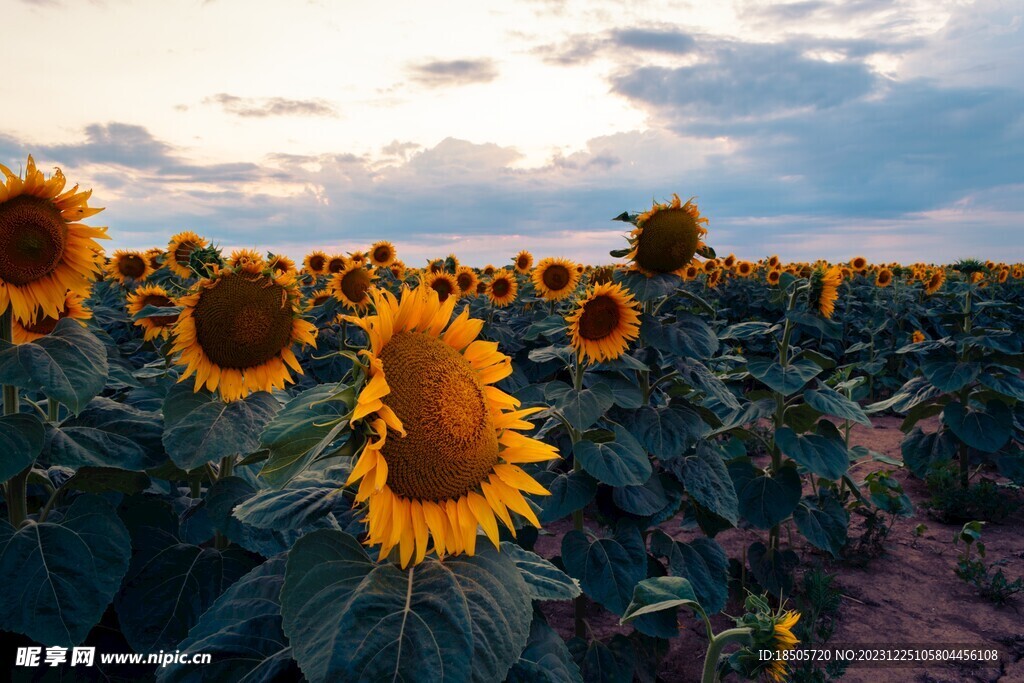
<point x="816" y="128"/>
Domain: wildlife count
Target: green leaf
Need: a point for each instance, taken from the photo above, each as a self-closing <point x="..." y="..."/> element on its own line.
<point x="687" y="336"/>
<point x="200" y="428"/>
<point x="304" y="428"/>
<point x="921" y="451"/>
<point x="659" y="594"/>
<point x="242" y="631"/>
<point x="950" y="375"/>
<point x="544" y="580"/>
<point x="105" y="479"/>
<point x="622" y="462"/>
<point x="773" y="568"/>
<point x="830" y="402"/>
<point x="913" y="393"/>
<point x="68" y="365"/>
<point x="1007" y="385"/>
<point x="784" y="380"/>
<point x="21" y="440"/>
<point x="765" y="500"/>
<point x="546" y="658"/>
<point x="107" y="434"/>
<point x="569" y="492"/>
<point x="350" y="619"/>
<point x="647" y="288"/>
<point x="823" y="521"/>
<point x="220" y="502"/>
<point x="823" y="453"/>
<point x="300" y="504"/>
<point x="702" y="562"/>
<point x="747" y="330"/>
<point x="706" y="479"/>
<point x="580" y="408"/>
<point x="644" y="500"/>
<point x="60" y="577"/>
<point x="987" y="430"/>
<point x="815" y="324"/>
<point x="608" y="568"/>
<point x="667" y="431"/>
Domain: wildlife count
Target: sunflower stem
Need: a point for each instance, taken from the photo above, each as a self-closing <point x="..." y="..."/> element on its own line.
<point x="15" y="489"/>
<point x="715" y="647"/>
<point x="579" y="604"/>
<point x="227" y="467"/>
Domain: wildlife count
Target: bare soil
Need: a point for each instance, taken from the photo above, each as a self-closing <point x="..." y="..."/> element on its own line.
<point x="909" y="595"/>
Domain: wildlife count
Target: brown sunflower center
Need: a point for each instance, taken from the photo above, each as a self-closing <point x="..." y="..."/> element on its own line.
<point x="443" y="287"/>
<point x="131" y="265"/>
<point x="336" y="265"/>
<point x="668" y="241"/>
<point x="355" y="284"/>
<point x="280" y="266"/>
<point x="183" y="251"/>
<point x="555" y="277"/>
<point x="465" y="281"/>
<point x="381" y="254"/>
<point x="46" y="324"/>
<point x="450" y="444"/>
<point x="600" y="318"/>
<point x="159" y="301"/>
<point x="500" y="287"/>
<point x="33" y="236"/>
<point x="523" y="262"/>
<point x="317" y="262"/>
<point x="242" y="322"/>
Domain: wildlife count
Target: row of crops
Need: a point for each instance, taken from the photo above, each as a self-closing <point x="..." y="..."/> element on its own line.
<point x="340" y="469"/>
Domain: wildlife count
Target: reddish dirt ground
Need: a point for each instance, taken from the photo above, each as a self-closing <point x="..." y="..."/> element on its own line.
<point x="908" y="595"/>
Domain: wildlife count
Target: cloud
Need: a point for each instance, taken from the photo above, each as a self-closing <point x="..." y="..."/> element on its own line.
<point x="440" y="73"/>
<point x="251" y="107"/>
<point x="584" y="47"/>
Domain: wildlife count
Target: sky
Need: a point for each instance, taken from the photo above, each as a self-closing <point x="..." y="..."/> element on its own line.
<point x="892" y="129"/>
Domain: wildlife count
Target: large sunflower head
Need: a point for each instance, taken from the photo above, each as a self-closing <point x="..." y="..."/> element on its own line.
<point x="555" y="278"/>
<point x="128" y="266"/>
<point x="667" y="237"/>
<point x="155" y="326"/>
<point x="603" y="323"/>
<point x="503" y="288"/>
<point x="44" y="250"/>
<point x="74" y="308"/>
<point x="316" y="262"/>
<point x="236" y="330"/>
<point x="179" y="252"/>
<point x="523" y="261"/>
<point x="382" y="254"/>
<point x="352" y="286"/>
<point x="444" y="284"/>
<point x="443" y="451"/>
<point x="466" y="278"/>
<point x="825" y="289"/>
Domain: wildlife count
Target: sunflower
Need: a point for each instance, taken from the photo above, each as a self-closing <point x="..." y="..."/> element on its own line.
<point x="397" y="269"/>
<point x="435" y="266"/>
<point x="666" y="237"/>
<point x="603" y="323"/>
<point x="1003" y="275"/>
<point x="782" y="639"/>
<point x="713" y="278"/>
<point x="248" y="258"/>
<point x="236" y="330"/>
<point x="488" y="270"/>
<point x="336" y="264"/>
<point x="935" y="282"/>
<point x="773" y="260"/>
<point x="382" y="254"/>
<point x="356" y="257"/>
<point x="858" y="263"/>
<point x="710" y="266"/>
<point x="179" y="249"/>
<point x="744" y="268"/>
<point x="481" y="288"/>
<point x="523" y="262"/>
<point x="825" y="289"/>
<point x="279" y="263"/>
<point x="155" y="258"/>
<point x="691" y="272"/>
<point x="467" y="280"/>
<point x="155" y="326"/>
<point x="502" y="288"/>
<point x="884" y="278"/>
<point x="129" y="266"/>
<point x="352" y="286"/>
<point x="729" y="261"/>
<point x="74" y="308"/>
<point x="917" y="337"/>
<point x="443" y="456"/>
<point x="44" y="251"/>
<point x="773" y="277"/>
<point x="318" y="297"/>
<point x="444" y="284"/>
<point x="555" y="278"/>
<point x="316" y="262"/>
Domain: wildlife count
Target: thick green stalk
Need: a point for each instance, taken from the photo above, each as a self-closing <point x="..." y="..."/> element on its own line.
<point x="579" y="604"/>
<point x="15" y="489"/>
<point x="715" y="647"/>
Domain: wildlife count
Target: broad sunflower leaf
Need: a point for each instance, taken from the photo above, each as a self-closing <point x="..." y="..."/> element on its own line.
<point x="765" y="500"/>
<point x="608" y="568"/>
<point x="823" y="453"/>
<point x="546" y="658"/>
<point x="823" y="521"/>
<point x="21" y="440"/>
<point x="687" y="336"/>
<point x="544" y="580"/>
<point x="706" y="479"/>
<point x="702" y="562"/>
<point x="921" y="450"/>
<point x="773" y="567"/>
<point x="987" y="430"/>
<point x="569" y="492"/>
<point x="667" y="431"/>
<point x="107" y="434"/>
<point x="659" y="594"/>
<point x="830" y="402"/>
<point x="580" y="408"/>
<point x="785" y="380"/>
<point x="622" y="462"/>
<point x="59" y="577"/>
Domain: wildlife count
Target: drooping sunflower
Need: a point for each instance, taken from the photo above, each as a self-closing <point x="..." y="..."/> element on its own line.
<point x="444" y="284"/>
<point x="713" y="278"/>
<point x="74" y="308"/>
<point x="934" y="283"/>
<point x="825" y="289"/>
<point x="236" y="331"/>
<point x="443" y="454"/>
<point x="155" y="258"/>
<point x="555" y="278"/>
<point x="336" y="264"/>
<point x="503" y="288"/>
<point x="666" y="237"/>
<point x="884" y="278"/>
<point x="352" y="286"/>
<point x="523" y="262"/>
<point x="603" y="323"/>
<point x="156" y="326"/>
<point x="782" y="639"/>
<point x="316" y="262"/>
<point x="179" y="249"/>
<point x="128" y="266"/>
<point x="466" y="279"/>
<point x="44" y="250"/>
<point x="382" y="254"/>
<point x="250" y="258"/>
<point x="280" y="263"/>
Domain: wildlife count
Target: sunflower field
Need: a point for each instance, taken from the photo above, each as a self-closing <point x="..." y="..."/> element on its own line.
<point x="355" y="469"/>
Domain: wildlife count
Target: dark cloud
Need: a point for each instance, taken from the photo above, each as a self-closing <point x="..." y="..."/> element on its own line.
<point x="584" y="47"/>
<point x="252" y="107"/>
<point x="654" y="40"/>
<point x="441" y="73"/>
